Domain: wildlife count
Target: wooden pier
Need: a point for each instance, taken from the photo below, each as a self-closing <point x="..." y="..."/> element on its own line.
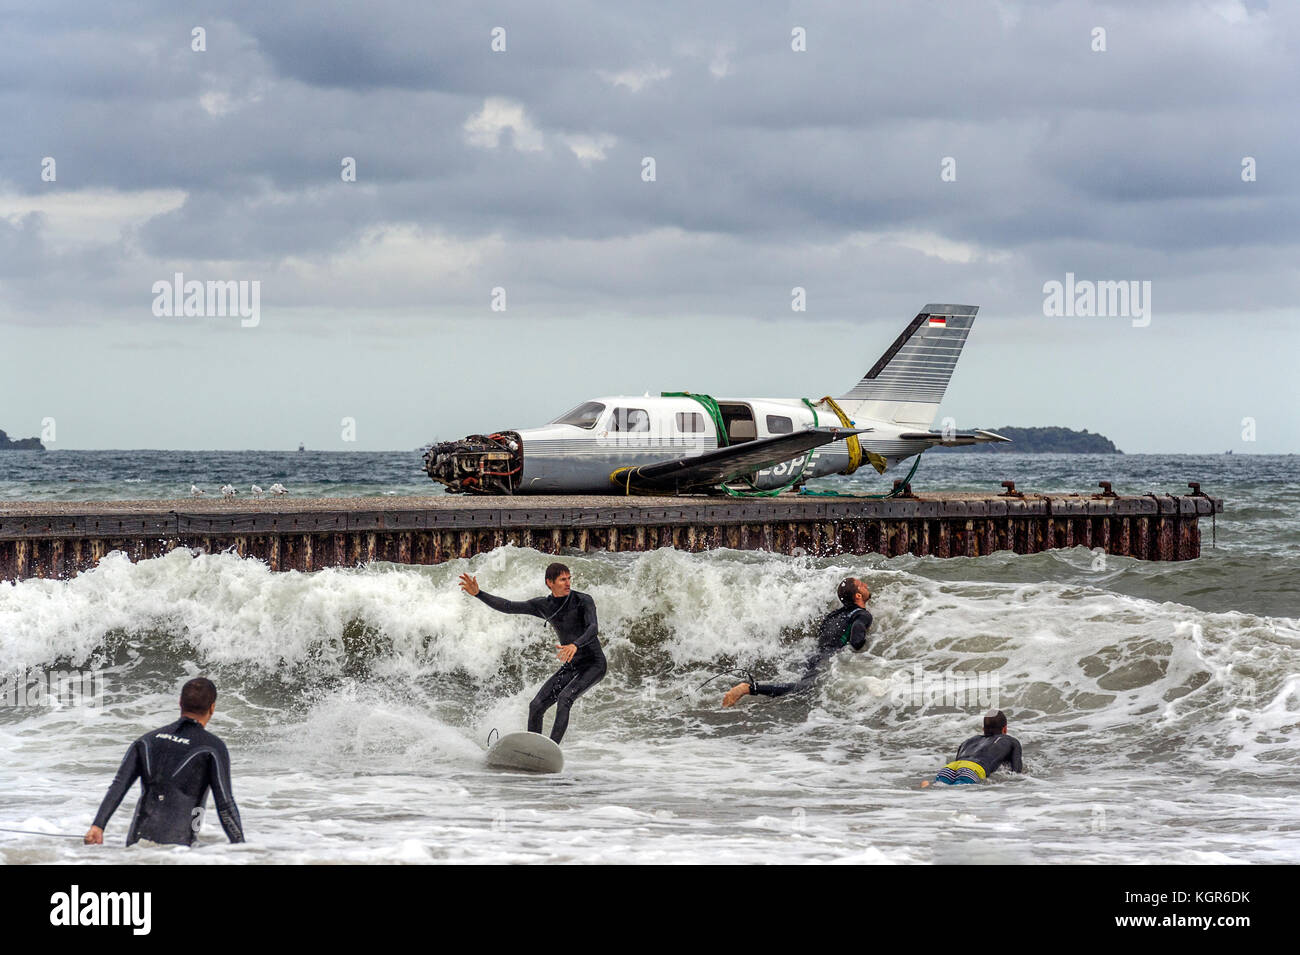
<point x="59" y="540"/>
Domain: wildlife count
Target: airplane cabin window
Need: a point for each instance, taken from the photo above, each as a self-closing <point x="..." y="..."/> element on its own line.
<point x="629" y="419"/>
<point x="779" y="424"/>
<point x="690" y="422"/>
<point x="584" y="416"/>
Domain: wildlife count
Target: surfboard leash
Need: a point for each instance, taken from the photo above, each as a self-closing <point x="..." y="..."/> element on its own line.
<point x="746" y="674"/>
<point x="34" y="832"/>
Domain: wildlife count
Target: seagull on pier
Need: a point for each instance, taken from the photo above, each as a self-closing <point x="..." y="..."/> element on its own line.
<point x="277" y="488"/>
<point x="255" y="491"/>
<point x="196" y="491"/>
<point x="228" y="490"/>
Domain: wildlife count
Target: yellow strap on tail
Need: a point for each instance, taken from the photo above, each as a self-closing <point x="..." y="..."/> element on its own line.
<point x="854" y="445"/>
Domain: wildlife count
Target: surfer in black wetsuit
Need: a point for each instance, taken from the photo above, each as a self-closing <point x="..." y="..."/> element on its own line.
<point x="573" y="615"/>
<point x="981" y="756"/>
<point x="845" y="627"/>
<point x="176" y="765"/>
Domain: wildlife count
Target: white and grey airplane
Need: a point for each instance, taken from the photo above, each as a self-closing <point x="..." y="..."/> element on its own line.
<point x="679" y="442"/>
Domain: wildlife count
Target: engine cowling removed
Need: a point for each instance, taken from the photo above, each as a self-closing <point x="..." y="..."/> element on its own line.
<point x="478" y="464"/>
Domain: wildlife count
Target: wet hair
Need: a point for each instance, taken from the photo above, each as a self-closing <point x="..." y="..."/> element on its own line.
<point x="995" y="721"/>
<point x="198" y="695"/>
<point x="849" y="588"/>
<point x="554" y="570"/>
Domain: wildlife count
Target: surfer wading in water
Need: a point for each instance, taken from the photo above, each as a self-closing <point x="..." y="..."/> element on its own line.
<point x="176" y="764"/>
<point x="573" y="615"/>
<point x="844" y="627"/>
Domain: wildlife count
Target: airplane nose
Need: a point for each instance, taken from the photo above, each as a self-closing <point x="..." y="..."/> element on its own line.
<point x="477" y="464"/>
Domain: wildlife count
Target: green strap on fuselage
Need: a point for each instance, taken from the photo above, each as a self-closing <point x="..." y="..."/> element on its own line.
<point x="710" y="405"/>
<point x="715" y="412"/>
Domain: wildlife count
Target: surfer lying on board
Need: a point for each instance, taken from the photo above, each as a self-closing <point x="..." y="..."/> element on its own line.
<point x="846" y="626"/>
<point x="980" y="756"/>
<point x="573" y="615"/>
<point x="176" y="765"/>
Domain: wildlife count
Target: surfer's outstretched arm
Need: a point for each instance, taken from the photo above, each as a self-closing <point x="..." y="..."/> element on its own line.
<point x="509" y="606"/>
<point x="470" y="586"/>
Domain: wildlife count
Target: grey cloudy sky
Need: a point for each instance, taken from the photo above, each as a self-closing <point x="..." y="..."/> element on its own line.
<point x="522" y="169"/>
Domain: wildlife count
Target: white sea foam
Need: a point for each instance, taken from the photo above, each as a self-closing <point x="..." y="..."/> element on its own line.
<point x="356" y="703"/>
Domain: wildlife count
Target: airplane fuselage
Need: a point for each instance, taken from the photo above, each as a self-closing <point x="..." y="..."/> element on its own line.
<point x="581" y="455"/>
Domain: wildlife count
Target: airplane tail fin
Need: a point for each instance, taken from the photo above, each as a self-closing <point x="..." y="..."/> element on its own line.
<point x="907" y="384"/>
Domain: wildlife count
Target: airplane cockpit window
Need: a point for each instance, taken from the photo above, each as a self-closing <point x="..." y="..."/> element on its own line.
<point x="779" y="424"/>
<point x="629" y="419"/>
<point x="690" y="422"/>
<point x="584" y="416"/>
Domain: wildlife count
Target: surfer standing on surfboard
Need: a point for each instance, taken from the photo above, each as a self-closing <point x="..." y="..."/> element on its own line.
<point x="573" y="615"/>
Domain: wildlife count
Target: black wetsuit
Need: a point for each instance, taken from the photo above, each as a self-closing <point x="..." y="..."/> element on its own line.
<point x="846" y="626"/>
<point x="991" y="751"/>
<point x="176" y="765"/>
<point x="574" y="620"/>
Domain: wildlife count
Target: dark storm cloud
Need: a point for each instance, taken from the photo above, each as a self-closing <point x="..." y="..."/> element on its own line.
<point x="1125" y="162"/>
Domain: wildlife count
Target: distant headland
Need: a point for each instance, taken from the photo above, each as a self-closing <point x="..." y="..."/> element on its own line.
<point x="21" y="444"/>
<point x="1045" y="441"/>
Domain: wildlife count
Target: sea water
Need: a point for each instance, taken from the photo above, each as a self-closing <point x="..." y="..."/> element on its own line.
<point x="1158" y="705"/>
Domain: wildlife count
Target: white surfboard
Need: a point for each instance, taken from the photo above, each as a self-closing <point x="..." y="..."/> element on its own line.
<point x="529" y="752"/>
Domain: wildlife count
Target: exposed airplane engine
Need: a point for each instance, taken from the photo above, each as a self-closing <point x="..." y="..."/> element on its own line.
<point x="479" y="464"/>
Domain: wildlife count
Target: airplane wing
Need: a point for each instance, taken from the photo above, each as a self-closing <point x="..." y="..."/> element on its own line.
<point x="953" y="440"/>
<point x="717" y="467"/>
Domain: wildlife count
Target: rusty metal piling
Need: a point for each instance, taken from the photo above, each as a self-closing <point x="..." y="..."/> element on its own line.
<point x="61" y="540"/>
